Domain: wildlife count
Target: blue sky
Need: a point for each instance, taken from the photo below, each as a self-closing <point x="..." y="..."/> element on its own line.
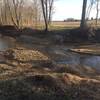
<point x="67" y="9"/>
<point x="64" y="9"/>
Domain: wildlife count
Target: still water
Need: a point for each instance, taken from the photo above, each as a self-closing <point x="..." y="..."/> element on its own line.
<point x="74" y="59"/>
<point x="6" y="42"/>
<point x="71" y="58"/>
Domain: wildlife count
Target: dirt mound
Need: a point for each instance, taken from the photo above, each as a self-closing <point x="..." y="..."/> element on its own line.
<point x="25" y="55"/>
<point x="74" y="79"/>
<point x="50" y="87"/>
<point x="82" y="88"/>
<point x="9" y="30"/>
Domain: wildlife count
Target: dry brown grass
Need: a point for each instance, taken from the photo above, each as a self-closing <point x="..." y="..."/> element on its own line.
<point x="70" y="25"/>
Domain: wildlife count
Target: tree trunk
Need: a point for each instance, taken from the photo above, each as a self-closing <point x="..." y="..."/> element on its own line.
<point x="83" y="21"/>
<point x="46" y="29"/>
<point x="97" y="13"/>
<point x="45" y="15"/>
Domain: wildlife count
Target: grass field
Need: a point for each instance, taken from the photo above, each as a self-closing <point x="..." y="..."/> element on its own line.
<point x="57" y="25"/>
<point x="70" y="25"/>
<point x="62" y="24"/>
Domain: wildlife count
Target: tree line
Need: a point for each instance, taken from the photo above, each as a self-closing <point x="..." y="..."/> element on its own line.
<point x="22" y="13"/>
<point x="25" y="12"/>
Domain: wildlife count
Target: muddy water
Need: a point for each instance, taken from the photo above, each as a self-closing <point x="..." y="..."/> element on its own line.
<point x="90" y="61"/>
<point x="62" y="54"/>
<point x="70" y="58"/>
<point x="6" y="42"/>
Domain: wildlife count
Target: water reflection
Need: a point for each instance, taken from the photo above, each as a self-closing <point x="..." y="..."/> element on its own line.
<point x="92" y="61"/>
<point x="68" y="58"/>
<point x="83" y="60"/>
<point x="6" y="42"/>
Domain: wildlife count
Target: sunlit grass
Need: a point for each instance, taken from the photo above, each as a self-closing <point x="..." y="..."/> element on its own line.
<point x="59" y="25"/>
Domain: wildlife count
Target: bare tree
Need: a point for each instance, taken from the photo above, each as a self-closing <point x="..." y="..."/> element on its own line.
<point x="97" y="11"/>
<point x="1" y="2"/>
<point x="25" y="13"/>
<point x="18" y="4"/>
<point x="50" y="10"/>
<point x="44" y="3"/>
<point x="31" y="13"/>
<point x="92" y="2"/>
<point x="15" y="7"/>
<point x="83" y="20"/>
<point x="3" y="12"/>
<point x="47" y="7"/>
<point x="36" y="12"/>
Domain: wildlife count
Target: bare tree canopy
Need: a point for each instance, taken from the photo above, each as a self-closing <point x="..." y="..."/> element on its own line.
<point x="20" y="12"/>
